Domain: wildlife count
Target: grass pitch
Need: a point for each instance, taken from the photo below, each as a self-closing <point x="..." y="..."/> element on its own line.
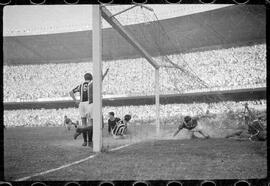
<point x="32" y="150"/>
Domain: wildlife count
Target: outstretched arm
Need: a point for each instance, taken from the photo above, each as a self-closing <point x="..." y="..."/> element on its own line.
<point x="178" y="130"/>
<point x="72" y="95"/>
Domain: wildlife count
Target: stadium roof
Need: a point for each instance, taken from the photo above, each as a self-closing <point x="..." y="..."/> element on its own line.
<point x="51" y="19"/>
<point x="228" y="25"/>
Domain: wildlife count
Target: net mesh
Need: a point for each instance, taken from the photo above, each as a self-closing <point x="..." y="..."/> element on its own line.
<point x="179" y="73"/>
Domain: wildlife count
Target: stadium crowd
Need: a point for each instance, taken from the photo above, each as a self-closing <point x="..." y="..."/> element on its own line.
<point x="140" y="114"/>
<point x="222" y="69"/>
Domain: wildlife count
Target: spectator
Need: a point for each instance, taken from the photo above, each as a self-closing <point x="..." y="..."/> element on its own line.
<point x="144" y="114"/>
<point x="221" y="69"/>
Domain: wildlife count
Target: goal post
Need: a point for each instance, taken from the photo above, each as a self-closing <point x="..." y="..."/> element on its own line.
<point x="107" y="15"/>
<point x="99" y="11"/>
<point x="157" y="101"/>
<point x="97" y="78"/>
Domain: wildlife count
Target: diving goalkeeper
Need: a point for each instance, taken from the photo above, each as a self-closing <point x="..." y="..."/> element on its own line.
<point x="192" y="125"/>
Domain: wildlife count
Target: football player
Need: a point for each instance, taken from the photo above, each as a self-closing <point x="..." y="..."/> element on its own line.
<point x="120" y="129"/>
<point x="68" y="123"/>
<point x="192" y="125"/>
<point x="86" y="105"/>
<point x="112" y="121"/>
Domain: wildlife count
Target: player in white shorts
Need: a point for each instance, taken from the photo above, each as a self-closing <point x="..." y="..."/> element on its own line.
<point x="86" y="105"/>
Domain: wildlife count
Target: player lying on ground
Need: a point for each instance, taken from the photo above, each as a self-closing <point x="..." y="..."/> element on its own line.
<point x="192" y="125"/>
<point x="255" y="130"/>
<point x="120" y="129"/>
<point x="112" y="121"/>
<point x="68" y="123"/>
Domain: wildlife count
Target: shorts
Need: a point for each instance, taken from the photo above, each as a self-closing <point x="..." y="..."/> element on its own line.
<point x="86" y="110"/>
<point x="198" y="128"/>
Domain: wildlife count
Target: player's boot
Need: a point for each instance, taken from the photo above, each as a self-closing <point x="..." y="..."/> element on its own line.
<point x="77" y="133"/>
<point x="90" y="144"/>
<point x="84" y="144"/>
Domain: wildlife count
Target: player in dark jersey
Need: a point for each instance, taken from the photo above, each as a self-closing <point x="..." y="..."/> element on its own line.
<point x="120" y="129"/>
<point x="192" y="125"/>
<point x="68" y="123"/>
<point x="86" y="106"/>
<point x="254" y="129"/>
<point x="88" y="129"/>
<point x="112" y="121"/>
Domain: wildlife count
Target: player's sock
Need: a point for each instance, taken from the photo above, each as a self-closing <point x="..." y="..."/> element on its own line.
<point x="84" y="139"/>
<point x="77" y="133"/>
<point x="90" y="134"/>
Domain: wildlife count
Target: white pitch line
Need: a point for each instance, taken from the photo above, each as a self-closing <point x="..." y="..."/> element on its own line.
<point x="67" y="165"/>
<point x="117" y="148"/>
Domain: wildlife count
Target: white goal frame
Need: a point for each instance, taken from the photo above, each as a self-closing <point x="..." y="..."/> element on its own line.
<point x="99" y="11"/>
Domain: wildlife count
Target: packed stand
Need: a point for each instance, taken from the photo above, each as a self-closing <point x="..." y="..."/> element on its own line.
<point x="223" y="69"/>
<point x="144" y="114"/>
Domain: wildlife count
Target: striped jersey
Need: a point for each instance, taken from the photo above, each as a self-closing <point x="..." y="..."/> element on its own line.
<point x="86" y="91"/>
<point x="120" y="129"/>
<point x="112" y="123"/>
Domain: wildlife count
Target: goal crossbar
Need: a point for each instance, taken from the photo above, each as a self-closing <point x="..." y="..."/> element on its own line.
<point x="98" y="12"/>
<point x="107" y="15"/>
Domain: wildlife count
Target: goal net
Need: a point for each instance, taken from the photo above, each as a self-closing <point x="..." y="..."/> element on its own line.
<point x="198" y="75"/>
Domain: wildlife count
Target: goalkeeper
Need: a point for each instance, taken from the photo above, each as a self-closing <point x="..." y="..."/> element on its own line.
<point x="192" y="125"/>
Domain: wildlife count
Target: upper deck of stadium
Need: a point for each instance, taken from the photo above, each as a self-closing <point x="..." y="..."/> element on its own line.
<point x="191" y="27"/>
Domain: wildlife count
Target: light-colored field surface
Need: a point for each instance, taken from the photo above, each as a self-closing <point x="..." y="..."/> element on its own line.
<point x="32" y="150"/>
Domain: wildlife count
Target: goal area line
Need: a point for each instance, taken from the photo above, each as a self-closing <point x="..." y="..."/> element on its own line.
<point x="69" y="164"/>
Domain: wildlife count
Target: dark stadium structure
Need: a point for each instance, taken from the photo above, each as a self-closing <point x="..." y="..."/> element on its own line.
<point x="220" y="28"/>
<point x="198" y="97"/>
<point x="224" y="27"/>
